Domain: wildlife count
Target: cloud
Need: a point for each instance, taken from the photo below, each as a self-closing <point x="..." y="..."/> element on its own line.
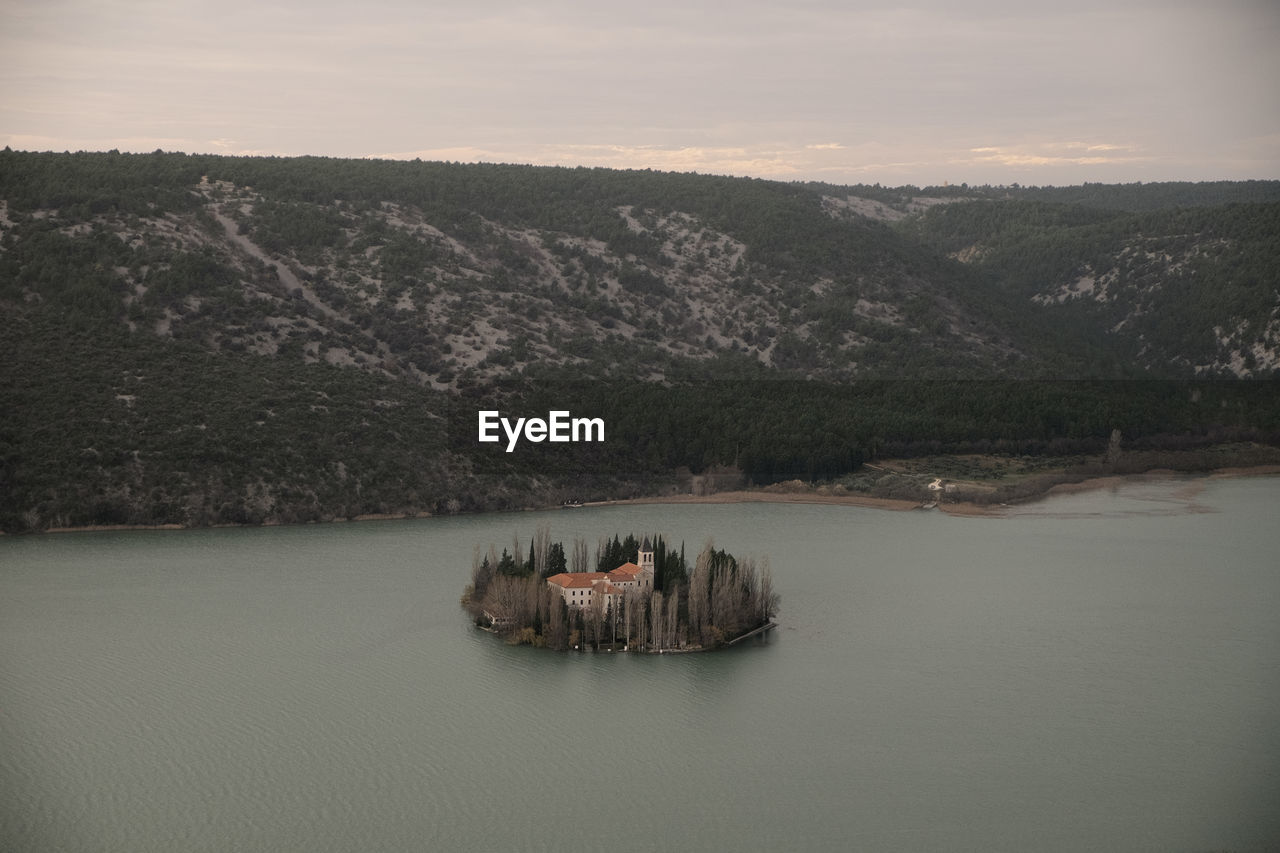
<point x="1052" y="154"/>
<point x="835" y="162"/>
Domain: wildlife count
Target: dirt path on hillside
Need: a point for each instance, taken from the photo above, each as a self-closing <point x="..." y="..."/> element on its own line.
<point x="286" y="276"/>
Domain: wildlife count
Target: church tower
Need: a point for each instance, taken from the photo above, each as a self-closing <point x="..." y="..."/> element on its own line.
<point x="645" y="559"/>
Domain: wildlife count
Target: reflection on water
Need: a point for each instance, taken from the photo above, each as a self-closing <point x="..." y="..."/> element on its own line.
<point x="1100" y="670"/>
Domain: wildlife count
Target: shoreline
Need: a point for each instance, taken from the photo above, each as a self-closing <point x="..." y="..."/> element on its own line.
<point x="966" y="509"/>
<point x="739" y="496"/>
<point x="957" y="508"/>
<point x="107" y="528"/>
<point x="961" y="508"/>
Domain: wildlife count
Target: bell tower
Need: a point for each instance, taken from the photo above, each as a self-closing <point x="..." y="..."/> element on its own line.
<point x="645" y="560"/>
<point x="646" y="555"/>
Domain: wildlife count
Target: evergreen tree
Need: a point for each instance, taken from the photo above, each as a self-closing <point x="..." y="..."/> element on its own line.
<point x="556" y="560"/>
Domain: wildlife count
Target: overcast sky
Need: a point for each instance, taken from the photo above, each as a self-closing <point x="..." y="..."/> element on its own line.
<point x="938" y="90"/>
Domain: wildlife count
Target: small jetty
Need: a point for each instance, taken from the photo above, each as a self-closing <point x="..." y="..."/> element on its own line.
<point x="763" y="629"/>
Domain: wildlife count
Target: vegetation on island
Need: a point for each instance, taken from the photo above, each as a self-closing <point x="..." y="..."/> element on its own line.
<point x="689" y="608"/>
<point x="197" y="340"/>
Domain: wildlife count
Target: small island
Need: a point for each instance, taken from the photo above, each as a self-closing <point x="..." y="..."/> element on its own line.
<point x="636" y="596"/>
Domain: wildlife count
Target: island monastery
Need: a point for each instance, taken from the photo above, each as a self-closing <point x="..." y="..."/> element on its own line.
<point x="580" y="589"/>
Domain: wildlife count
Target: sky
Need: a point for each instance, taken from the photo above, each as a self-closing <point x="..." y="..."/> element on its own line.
<point x="932" y="92"/>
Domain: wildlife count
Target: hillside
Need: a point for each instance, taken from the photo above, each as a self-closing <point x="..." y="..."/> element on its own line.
<point x="1185" y="289"/>
<point x="199" y="340"/>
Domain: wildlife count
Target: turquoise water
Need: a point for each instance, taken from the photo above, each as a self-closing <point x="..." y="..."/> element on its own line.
<point x="1098" y="671"/>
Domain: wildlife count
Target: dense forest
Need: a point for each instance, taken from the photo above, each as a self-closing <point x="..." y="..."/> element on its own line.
<point x="690" y="608"/>
<point x="199" y="340"/>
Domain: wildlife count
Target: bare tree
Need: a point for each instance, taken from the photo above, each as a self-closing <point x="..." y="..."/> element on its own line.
<point x="578" y="560"/>
<point x="541" y="547"/>
<point x="725" y="602"/>
<point x="612" y="616"/>
<point x="505" y="601"/>
<point x="556" y="631"/>
<point x="673" y="618"/>
<point x="593" y="617"/>
<point x="639" y="622"/>
<point x="699" y="604"/>
<point x="573" y="616"/>
<point x="656" y="621"/>
<point x="748" y="582"/>
<point x="626" y="620"/>
<point x="769" y="600"/>
<point x="536" y="596"/>
<point x="630" y="604"/>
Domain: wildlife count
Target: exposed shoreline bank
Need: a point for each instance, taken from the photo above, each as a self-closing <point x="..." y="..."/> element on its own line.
<point x="775" y="494"/>
<point x="959" y="507"/>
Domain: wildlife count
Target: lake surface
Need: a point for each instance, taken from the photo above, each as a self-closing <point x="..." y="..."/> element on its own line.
<point x="1098" y="671"/>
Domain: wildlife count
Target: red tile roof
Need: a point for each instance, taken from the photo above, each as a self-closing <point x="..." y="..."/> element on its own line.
<point x="626" y="573"/>
<point x="570" y="580"/>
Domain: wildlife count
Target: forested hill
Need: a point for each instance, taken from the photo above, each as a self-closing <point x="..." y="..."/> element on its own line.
<point x="449" y="273"/>
<point x="199" y="339"/>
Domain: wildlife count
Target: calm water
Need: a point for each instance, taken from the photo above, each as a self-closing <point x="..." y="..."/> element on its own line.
<point x="1100" y="671"/>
